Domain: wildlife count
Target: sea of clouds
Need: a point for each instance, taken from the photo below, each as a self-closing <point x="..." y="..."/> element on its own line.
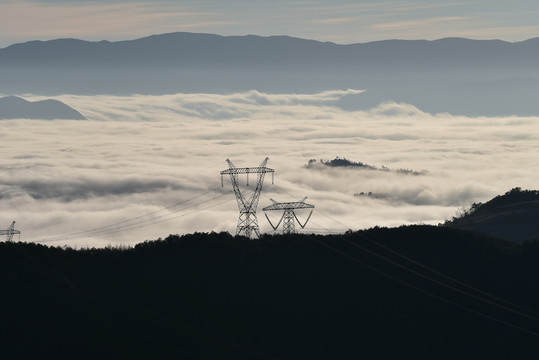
<point x="142" y="167"/>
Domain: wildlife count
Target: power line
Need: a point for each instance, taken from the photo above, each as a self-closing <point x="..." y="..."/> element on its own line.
<point x="444" y="276"/>
<point x="135" y="222"/>
<point x="441" y="298"/>
<point x="144" y="223"/>
<point x="440" y="282"/>
<point x="448" y="277"/>
<point x="453" y="288"/>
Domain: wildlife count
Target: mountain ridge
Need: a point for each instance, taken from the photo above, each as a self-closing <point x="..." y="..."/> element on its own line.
<point x="14" y="107"/>
<point x="211" y="35"/>
<point x="180" y="47"/>
<point x="450" y="75"/>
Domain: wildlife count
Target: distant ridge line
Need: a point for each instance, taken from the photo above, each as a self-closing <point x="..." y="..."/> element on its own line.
<point x="254" y="36"/>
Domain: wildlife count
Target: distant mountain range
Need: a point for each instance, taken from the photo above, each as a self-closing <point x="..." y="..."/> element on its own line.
<point x="13" y="107"/>
<point x="275" y="52"/>
<point x="462" y="76"/>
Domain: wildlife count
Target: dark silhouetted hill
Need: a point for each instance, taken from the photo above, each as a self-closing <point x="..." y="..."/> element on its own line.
<point x="287" y="297"/>
<point x="512" y="216"/>
<point x="13" y="107"/>
<point x="455" y="75"/>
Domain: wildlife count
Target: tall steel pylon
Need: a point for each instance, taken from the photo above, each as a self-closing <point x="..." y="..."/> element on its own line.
<point x="288" y="214"/>
<point x="10" y="232"/>
<point x="247" y="222"/>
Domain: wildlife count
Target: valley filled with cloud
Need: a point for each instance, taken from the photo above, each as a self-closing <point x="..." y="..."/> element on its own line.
<point x="142" y="167"/>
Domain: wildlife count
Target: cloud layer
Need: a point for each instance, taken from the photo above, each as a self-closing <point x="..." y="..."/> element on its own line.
<point x="133" y="170"/>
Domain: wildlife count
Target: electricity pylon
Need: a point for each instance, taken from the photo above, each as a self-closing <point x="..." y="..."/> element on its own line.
<point x="10" y="232"/>
<point x="288" y="214"/>
<point x="247" y="222"/>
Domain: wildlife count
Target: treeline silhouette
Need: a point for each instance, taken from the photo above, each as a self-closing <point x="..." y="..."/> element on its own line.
<point x="344" y="162"/>
<point x="212" y="295"/>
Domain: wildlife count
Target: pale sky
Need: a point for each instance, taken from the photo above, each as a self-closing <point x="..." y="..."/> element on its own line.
<point x="340" y="21"/>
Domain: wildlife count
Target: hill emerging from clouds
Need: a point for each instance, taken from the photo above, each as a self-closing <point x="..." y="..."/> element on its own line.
<point x="13" y="107"/>
<point x="459" y="76"/>
<point x="345" y="163"/>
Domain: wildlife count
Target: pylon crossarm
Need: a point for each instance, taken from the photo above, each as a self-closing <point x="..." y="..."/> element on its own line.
<point x="279" y="223"/>
<point x="306" y="221"/>
<point x="9" y="232"/>
<point x="289" y="206"/>
<point x="253" y="170"/>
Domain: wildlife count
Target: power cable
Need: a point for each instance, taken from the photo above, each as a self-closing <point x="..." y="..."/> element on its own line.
<point x="403" y="282"/>
<point x="136" y="226"/>
<point x="110" y="229"/>
<point x="440" y="282"/>
<point x="440" y="274"/>
<point x="62" y="237"/>
<point x="447" y="276"/>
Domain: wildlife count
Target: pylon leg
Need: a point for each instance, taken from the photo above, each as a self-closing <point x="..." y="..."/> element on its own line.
<point x="288" y="222"/>
<point x="248" y="225"/>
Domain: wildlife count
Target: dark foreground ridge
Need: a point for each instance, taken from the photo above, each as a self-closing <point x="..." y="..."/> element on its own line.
<point x="289" y="297"/>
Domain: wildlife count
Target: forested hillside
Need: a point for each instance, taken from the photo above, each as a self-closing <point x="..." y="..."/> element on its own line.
<point x="512" y="216"/>
<point x="379" y="293"/>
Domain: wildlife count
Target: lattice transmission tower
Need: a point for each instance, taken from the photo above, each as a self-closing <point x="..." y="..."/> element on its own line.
<point x="288" y="214"/>
<point x="247" y="222"/>
<point x="10" y="232"/>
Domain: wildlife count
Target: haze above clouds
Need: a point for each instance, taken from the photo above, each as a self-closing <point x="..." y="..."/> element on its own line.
<point x="138" y="157"/>
<point x="341" y="21"/>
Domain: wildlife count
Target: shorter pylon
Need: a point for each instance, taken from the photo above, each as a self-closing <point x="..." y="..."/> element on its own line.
<point x="288" y="214"/>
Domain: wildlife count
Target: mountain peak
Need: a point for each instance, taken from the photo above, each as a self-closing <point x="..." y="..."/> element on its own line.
<point x="14" y="107"/>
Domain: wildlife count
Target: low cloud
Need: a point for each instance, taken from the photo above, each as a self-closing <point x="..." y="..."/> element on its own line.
<point x="142" y="167"/>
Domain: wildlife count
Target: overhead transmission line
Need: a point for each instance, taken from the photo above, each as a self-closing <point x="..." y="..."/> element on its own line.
<point x="147" y="219"/>
<point x="158" y="219"/>
<point x="441" y="283"/>
<point x="521" y="310"/>
<point x="484" y="293"/>
<point x="461" y="283"/>
<point x="427" y="292"/>
<point x="448" y="277"/>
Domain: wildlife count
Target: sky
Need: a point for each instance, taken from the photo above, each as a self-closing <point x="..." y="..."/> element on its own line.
<point x="340" y="21"/>
<point x="143" y="167"/>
